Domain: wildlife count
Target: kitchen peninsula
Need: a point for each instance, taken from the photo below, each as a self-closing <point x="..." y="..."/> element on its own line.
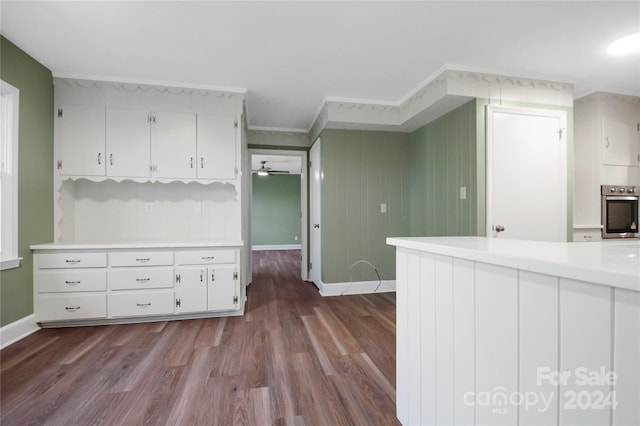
<point x="496" y="331"/>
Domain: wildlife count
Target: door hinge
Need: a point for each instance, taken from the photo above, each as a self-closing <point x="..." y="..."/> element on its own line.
<point x="151" y="119"/>
<point x="235" y="124"/>
<point x="178" y="278"/>
<point x="235" y="300"/>
<point x="59" y="112"/>
<point x="638" y="127"/>
<point x="59" y="164"/>
<point x="310" y="266"/>
<point x="178" y="303"/>
<point x="235" y="171"/>
<point x="235" y="275"/>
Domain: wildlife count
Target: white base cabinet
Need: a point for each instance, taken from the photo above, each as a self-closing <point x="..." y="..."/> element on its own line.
<point x="92" y="284"/>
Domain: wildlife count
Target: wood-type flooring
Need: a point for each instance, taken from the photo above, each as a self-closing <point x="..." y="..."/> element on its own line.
<point x="294" y="358"/>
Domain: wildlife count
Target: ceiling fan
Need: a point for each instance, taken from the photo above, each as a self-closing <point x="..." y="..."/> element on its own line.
<point x="266" y="171"/>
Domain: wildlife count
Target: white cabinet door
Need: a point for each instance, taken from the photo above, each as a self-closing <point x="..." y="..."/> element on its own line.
<point x="81" y="139"/>
<point x="217" y="157"/>
<point x="620" y="138"/>
<point x="191" y="290"/>
<point x="128" y="142"/>
<point x="222" y="291"/>
<point x="173" y="145"/>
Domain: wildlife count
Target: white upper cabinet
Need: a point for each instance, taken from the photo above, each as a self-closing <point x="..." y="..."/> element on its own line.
<point x="217" y="147"/>
<point x="81" y="131"/>
<point x="173" y="145"/>
<point x="621" y="145"/>
<point x="128" y="142"/>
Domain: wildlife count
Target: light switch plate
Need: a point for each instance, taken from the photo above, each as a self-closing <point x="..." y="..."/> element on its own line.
<point x="383" y="208"/>
<point x="463" y="192"/>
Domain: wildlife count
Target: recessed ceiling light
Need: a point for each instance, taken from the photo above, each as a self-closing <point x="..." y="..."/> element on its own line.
<point x="628" y="44"/>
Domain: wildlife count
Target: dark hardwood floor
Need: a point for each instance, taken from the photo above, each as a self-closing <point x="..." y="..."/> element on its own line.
<point x="293" y="358"/>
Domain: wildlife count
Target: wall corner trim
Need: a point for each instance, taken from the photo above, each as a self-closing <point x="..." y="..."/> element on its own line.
<point x="18" y="330"/>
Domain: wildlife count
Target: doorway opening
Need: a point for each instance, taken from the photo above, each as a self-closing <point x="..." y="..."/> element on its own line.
<point x="278" y="202"/>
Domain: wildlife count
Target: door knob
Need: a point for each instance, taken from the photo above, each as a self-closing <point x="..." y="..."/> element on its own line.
<point x="499" y="228"/>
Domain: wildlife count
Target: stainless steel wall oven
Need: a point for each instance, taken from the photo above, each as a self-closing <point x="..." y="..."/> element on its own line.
<point x="620" y="211"/>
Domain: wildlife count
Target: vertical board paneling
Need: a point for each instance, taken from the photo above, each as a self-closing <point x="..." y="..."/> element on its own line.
<point x="496" y="343"/>
<point x="444" y="340"/>
<point x="538" y="347"/>
<point x="585" y="336"/>
<point x="463" y="340"/>
<point x="402" y="335"/>
<point x="426" y="340"/>
<point x="626" y="357"/>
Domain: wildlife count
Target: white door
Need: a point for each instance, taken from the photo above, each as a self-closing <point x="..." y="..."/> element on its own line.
<point x="217" y="148"/>
<point x="173" y="145"/>
<point x="222" y="291"/>
<point x="315" y="174"/>
<point x="81" y="136"/>
<point x="191" y="290"/>
<point x="128" y="142"/>
<point x="526" y="174"/>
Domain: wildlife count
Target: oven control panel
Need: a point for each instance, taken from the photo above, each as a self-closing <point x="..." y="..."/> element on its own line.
<point x="620" y="190"/>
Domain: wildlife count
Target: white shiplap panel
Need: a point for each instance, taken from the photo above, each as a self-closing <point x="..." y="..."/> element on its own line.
<point x="414" y="360"/>
<point x="626" y="354"/>
<point x="496" y="343"/>
<point x="463" y="340"/>
<point x="425" y="300"/>
<point x="538" y="347"/>
<point x="402" y="332"/>
<point x="444" y="340"/>
<point x="585" y="336"/>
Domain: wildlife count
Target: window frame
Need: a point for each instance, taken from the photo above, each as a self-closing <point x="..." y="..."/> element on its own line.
<point x="9" y="111"/>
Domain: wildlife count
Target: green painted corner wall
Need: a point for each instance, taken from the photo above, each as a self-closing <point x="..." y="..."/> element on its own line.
<point x="275" y="210"/>
<point x="35" y="174"/>
<point x="444" y="158"/>
<point x="362" y="170"/>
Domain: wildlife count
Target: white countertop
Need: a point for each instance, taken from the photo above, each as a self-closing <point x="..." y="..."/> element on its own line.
<point x="135" y="245"/>
<point x="615" y="263"/>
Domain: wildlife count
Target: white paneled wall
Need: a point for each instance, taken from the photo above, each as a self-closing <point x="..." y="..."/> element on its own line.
<point x="481" y="344"/>
<point x="127" y="211"/>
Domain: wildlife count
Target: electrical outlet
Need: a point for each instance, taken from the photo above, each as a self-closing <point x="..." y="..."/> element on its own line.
<point x="295" y="238"/>
<point x="463" y="192"/>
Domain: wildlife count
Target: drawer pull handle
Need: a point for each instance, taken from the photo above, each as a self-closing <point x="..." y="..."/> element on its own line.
<point x="143" y="305"/>
<point x="72" y="260"/>
<point x="143" y="280"/>
<point x="72" y="282"/>
<point x="72" y="308"/>
<point x="142" y="259"/>
<point x="208" y="257"/>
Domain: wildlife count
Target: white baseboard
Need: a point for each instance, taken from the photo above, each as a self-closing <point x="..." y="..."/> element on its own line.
<point x="356" y="287"/>
<point x="277" y="247"/>
<point x="17" y="330"/>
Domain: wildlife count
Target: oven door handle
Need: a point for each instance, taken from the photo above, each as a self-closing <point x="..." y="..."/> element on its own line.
<point x="620" y="198"/>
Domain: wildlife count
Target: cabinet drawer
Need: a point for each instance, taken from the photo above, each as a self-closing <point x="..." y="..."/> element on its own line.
<point x="141" y="303"/>
<point x="54" y="281"/>
<point x="72" y="260"/>
<point x="62" y="307"/>
<point x="204" y="257"/>
<point x="141" y="258"/>
<point x="140" y="278"/>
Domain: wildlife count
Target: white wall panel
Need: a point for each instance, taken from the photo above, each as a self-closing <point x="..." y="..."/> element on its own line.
<point x="425" y="298"/>
<point x="402" y="335"/>
<point x="626" y="353"/>
<point x="538" y="339"/>
<point x="444" y="340"/>
<point x="585" y="347"/>
<point x="463" y="340"/>
<point x="496" y="342"/>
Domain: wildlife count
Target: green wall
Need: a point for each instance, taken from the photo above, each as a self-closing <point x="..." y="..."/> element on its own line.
<point x="444" y="158"/>
<point x="275" y="210"/>
<point x="362" y="169"/>
<point x="35" y="174"/>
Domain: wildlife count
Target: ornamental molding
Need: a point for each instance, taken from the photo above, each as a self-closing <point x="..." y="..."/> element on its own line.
<point x="608" y="95"/>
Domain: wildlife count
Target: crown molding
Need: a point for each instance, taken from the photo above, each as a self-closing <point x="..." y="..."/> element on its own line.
<point x="276" y="130"/>
<point x="97" y="80"/>
<point x="606" y="94"/>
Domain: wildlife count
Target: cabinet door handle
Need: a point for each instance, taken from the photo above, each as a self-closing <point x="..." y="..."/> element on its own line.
<point x="72" y="261"/>
<point x="111" y="159"/>
<point x="99" y="158"/>
<point x="143" y="305"/>
<point x="202" y="162"/>
<point x="71" y="308"/>
<point x="143" y="280"/>
<point x="208" y="257"/>
<point x="192" y="162"/>
<point x="142" y="259"/>
<point x="213" y="278"/>
<point x="73" y="283"/>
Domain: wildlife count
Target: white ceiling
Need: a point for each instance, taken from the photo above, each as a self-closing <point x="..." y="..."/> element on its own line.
<point x="290" y="56"/>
